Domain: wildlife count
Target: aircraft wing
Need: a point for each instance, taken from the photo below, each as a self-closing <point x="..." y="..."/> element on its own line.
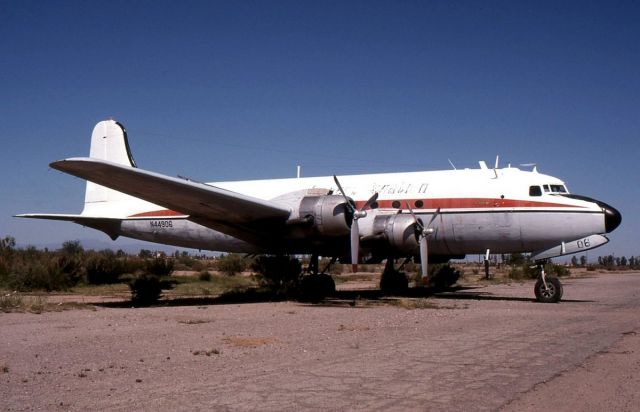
<point x="235" y="214"/>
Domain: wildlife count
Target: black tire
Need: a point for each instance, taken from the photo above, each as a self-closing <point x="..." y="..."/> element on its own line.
<point x="393" y="282"/>
<point x="552" y="294"/>
<point x="314" y="288"/>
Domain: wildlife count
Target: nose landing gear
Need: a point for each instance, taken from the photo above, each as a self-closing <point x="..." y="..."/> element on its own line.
<point x="547" y="289"/>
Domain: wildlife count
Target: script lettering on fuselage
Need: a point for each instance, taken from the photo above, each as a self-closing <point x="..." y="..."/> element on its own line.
<point x="399" y="188"/>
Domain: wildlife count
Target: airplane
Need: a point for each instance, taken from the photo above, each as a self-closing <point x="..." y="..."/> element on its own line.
<point x="427" y="215"/>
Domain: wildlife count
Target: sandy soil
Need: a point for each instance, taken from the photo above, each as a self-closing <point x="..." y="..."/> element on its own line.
<point x="483" y="348"/>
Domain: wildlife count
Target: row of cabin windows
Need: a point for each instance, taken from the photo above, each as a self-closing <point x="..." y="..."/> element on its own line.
<point x="418" y="204"/>
<point x="537" y="190"/>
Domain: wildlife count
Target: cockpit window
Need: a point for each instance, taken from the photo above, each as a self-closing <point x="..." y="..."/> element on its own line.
<point x="558" y="189"/>
<point x="546" y="189"/>
<point x="535" y="191"/>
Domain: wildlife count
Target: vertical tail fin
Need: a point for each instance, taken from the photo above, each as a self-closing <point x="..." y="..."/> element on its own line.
<point x="108" y="142"/>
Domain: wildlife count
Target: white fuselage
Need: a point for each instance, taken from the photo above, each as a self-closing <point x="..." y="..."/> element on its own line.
<point x="477" y="209"/>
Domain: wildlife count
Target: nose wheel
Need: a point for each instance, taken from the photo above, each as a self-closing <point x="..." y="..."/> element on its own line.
<point x="547" y="289"/>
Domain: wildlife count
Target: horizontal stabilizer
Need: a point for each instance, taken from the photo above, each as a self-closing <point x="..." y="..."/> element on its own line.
<point x="567" y="248"/>
<point x="109" y="226"/>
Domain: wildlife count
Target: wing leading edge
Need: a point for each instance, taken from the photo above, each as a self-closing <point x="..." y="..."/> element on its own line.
<point x="235" y="214"/>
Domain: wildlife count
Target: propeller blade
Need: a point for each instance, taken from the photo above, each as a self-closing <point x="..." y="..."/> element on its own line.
<point x="424" y="257"/>
<point x="355" y="245"/>
<point x="434" y="217"/>
<point x="371" y="201"/>
<point x="355" y="230"/>
<point x="423" y="232"/>
<point x="419" y="224"/>
<point x="350" y="205"/>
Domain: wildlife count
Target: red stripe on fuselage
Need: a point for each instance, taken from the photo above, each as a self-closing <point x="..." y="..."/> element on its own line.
<point x="444" y="203"/>
<point x="461" y="203"/>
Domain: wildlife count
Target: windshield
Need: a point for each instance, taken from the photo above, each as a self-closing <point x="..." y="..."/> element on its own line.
<point x="555" y="189"/>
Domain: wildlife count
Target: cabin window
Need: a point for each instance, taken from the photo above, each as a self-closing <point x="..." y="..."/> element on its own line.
<point x="535" y="191"/>
<point x="418" y="204"/>
<point x="395" y="204"/>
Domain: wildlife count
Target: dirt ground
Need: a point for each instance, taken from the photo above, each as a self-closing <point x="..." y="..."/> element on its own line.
<point x="486" y="347"/>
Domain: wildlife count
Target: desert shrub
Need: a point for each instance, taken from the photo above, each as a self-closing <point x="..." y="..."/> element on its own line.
<point x="132" y="264"/>
<point x="73" y="267"/>
<point x="231" y="264"/>
<point x="4" y="271"/>
<point x="145" y="290"/>
<point x="103" y="269"/>
<point x="159" y="267"/>
<point x="557" y="270"/>
<point x="529" y="271"/>
<point x="280" y="274"/>
<point x="516" y="273"/>
<point x="204" y="276"/>
<point x="40" y="274"/>
<point x="72" y="248"/>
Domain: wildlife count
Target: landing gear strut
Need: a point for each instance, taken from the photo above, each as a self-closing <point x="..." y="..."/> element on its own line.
<point x="548" y="289"/>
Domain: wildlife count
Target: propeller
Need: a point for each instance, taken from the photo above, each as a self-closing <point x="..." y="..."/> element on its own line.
<point x="355" y="230"/>
<point x="423" y="231"/>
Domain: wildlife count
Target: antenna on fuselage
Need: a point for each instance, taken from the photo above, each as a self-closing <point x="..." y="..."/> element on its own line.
<point x="452" y="165"/>
<point x="298" y="171"/>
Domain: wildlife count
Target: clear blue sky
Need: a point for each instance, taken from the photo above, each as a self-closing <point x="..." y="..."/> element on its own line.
<point x="239" y="90"/>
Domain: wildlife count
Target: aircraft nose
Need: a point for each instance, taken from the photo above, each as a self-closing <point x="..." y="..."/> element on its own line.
<point x="612" y="218"/>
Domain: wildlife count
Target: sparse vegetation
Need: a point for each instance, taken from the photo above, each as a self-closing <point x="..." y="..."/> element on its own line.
<point x="204" y="276"/>
<point x="74" y="270"/>
<point x="279" y="274"/>
<point x="159" y="267"/>
<point x="231" y="264"/>
<point x="145" y="290"/>
<point x="10" y="302"/>
<point x="16" y="302"/>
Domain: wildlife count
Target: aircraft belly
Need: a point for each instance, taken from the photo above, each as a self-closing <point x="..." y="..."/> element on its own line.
<point x="184" y="233"/>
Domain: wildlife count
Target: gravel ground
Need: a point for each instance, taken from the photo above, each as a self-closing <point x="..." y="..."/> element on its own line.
<point x="487" y="348"/>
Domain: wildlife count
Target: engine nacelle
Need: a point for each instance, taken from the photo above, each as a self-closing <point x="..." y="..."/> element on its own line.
<point x="398" y="232"/>
<point x="329" y="214"/>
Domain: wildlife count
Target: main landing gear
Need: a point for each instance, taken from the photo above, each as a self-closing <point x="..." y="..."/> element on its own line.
<point x="393" y="281"/>
<point x="316" y="286"/>
<point x="547" y="289"/>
